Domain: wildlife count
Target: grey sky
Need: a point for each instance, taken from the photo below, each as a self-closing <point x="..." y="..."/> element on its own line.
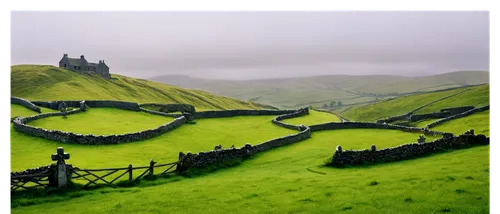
<point x="248" y="45"/>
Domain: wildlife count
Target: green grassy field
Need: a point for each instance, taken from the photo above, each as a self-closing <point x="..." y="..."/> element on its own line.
<point x="19" y="110"/>
<point x="314" y="117"/>
<point x="477" y="96"/>
<point x="475" y="121"/>
<point x="30" y="152"/>
<point x="288" y="179"/>
<point x="103" y="121"/>
<point x="47" y="83"/>
<point x="291" y="179"/>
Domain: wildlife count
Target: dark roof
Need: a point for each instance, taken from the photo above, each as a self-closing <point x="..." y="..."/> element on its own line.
<point x="78" y="62"/>
<point x="74" y="61"/>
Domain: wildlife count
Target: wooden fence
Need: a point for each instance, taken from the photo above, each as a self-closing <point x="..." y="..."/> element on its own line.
<point x="30" y="181"/>
<point x="105" y="176"/>
<point x="92" y="176"/>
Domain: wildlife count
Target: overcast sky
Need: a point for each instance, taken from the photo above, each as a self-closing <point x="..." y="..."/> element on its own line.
<point x="250" y="45"/>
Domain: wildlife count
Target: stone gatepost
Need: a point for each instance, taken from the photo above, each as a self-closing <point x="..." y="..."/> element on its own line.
<point x="60" y="171"/>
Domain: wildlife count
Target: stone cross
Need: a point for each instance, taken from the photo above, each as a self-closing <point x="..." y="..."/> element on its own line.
<point x="60" y="156"/>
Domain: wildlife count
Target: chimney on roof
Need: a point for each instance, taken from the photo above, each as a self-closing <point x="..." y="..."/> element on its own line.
<point x="65" y="55"/>
<point x="82" y="57"/>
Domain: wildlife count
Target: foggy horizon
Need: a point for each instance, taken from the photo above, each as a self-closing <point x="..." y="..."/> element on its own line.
<point x="257" y="45"/>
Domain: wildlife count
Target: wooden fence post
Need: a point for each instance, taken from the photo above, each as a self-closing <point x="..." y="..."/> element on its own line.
<point x="151" y="167"/>
<point x="130" y="172"/>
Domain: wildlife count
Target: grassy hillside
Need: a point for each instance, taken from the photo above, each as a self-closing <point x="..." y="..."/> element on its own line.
<point x="287" y="179"/>
<point x="320" y="90"/>
<point x="46" y="83"/>
<point x="474" y="96"/>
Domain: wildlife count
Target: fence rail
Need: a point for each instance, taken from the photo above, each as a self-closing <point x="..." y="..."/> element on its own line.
<point x="95" y="176"/>
<point x="30" y="181"/>
<point x="90" y="177"/>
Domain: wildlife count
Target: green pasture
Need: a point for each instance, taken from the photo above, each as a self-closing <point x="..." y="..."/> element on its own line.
<point x="314" y="117"/>
<point x="292" y="179"/>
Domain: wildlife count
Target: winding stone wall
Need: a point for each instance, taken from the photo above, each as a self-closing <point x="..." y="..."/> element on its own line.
<point x="394" y="118"/>
<point x="406" y="151"/>
<point x="160" y="113"/>
<point x="457" y="110"/>
<point x="456" y="116"/>
<point x="25" y="103"/>
<point x="204" y="159"/>
<point x="167" y="108"/>
<point x="233" y="113"/>
<point x="366" y="125"/>
<point x="68" y="137"/>
<point x="298" y="113"/>
<point x="90" y="103"/>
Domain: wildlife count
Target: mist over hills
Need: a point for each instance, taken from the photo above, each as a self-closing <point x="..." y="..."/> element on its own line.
<point x="320" y="90"/>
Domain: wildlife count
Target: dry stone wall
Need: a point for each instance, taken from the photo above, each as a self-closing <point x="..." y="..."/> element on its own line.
<point x="25" y="103"/>
<point x="68" y="137"/>
<point x="298" y="113"/>
<point x="167" y="108"/>
<point x="406" y="151"/>
<point x="90" y="103"/>
<point x="203" y="159"/>
<point x="233" y="113"/>
<point x="456" y="116"/>
<point x="161" y="113"/>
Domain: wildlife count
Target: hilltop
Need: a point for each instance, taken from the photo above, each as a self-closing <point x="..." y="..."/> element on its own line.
<point x="47" y="83"/>
<point x="320" y="90"/>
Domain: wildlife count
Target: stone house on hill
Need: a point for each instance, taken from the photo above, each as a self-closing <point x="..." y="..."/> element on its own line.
<point x="83" y="66"/>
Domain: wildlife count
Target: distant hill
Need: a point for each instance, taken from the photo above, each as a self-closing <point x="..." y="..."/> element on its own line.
<point x="320" y="90"/>
<point x="477" y="96"/>
<point x="45" y="83"/>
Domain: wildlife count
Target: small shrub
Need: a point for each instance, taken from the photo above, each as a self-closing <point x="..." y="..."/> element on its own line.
<point x="373" y="183"/>
<point x="346" y="208"/>
<point x="190" y="122"/>
<point x="469" y="178"/>
<point x="328" y="194"/>
<point x="306" y="200"/>
<point x="459" y="191"/>
<point x="445" y="210"/>
<point x="408" y="200"/>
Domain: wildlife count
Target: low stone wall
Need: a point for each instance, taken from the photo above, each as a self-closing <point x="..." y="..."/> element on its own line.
<point x="203" y="159"/>
<point x="90" y="103"/>
<point x="298" y="113"/>
<point x="406" y="151"/>
<point x="362" y="125"/>
<point x="68" y="137"/>
<point x="160" y="113"/>
<point x="393" y="118"/>
<point x="434" y="115"/>
<point x="167" y="108"/>
<point x="113" y="104"/>
<point x="233" y="113"/>
<point x="25" y="103"/>
<point x="54" y="105"/>
<point x="457" y="110"/>
<point x="456" y="116"/>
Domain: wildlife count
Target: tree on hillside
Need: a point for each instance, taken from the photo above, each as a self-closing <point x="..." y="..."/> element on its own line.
<point x="339" y="103"/>
<point x="332" y="104"/>
<point x="325" y="106"/>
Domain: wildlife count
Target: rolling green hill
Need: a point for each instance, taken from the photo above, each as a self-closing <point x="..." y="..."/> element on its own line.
<point x="46" y="83"/>
<point x="474" y="96"/>
<point x="320" y="90"/>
